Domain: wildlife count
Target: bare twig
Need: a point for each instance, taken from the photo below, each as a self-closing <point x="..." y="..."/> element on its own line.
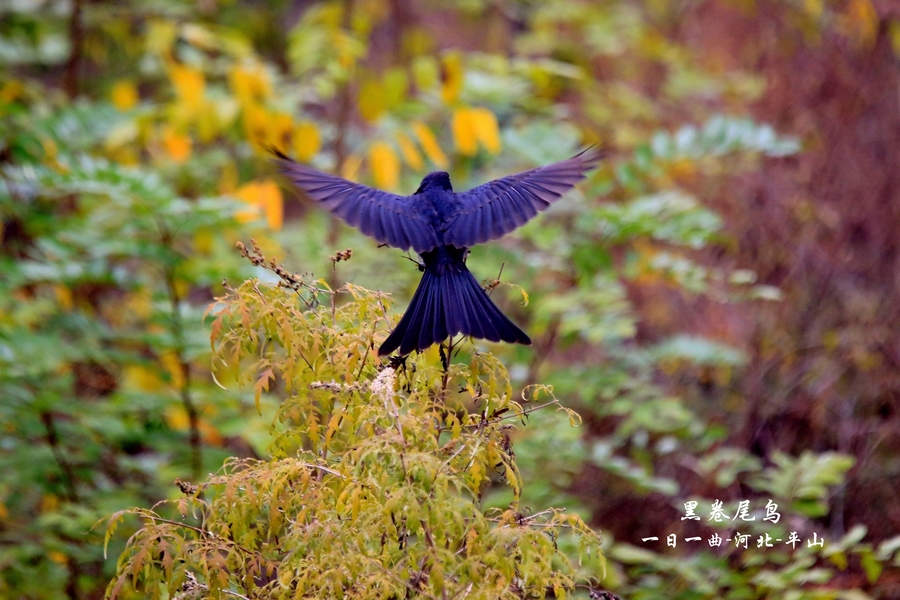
<point x="326" y="469"/>
<point x="185" y="391"/>
<point x="76" y="40"/>
<point x="52" y="437"/>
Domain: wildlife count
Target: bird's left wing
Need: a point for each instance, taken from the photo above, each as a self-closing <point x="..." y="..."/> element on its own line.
<point x="388" y="218"/>
<point x="497" y="207"/>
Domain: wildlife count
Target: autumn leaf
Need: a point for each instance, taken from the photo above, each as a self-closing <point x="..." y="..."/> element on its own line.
<point x="451" y="76"/>
<point x="306" y="141"/>
<point x="429" y="144"/>
<point x="279" y="129"/>
<point x="385" y="165"/>
<point x="410" y="153"/>
<point x="371" y="99"/>
<point x="124" y="94"/>
<point x="177" y="145"/>
<point x="463" y="128"/>
<point x="486" y="129"/>
<point x="177" y="418"/>
<point x="189" y="84"/>
<point x="859" y="21"/>
<point x="263" y="196"/>
<point x="256" y="124"/>
<point x="250" y="83"/>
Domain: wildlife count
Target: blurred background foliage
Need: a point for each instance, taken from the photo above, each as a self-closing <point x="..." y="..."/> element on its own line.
<point x="719" y="301"/>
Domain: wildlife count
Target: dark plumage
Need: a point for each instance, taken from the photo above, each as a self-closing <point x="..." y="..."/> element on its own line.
<point x="441" y="225"/>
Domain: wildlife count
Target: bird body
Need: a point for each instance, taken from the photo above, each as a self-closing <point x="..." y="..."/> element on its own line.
<point x="441" y="226"/>
<point x="448" y="301"/>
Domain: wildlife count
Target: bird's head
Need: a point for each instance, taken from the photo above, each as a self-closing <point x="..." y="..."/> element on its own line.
<point x="438" y="179"/>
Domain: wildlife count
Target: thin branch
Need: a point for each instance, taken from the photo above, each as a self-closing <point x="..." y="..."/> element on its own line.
<point x="326" y="469"/>
<point x="362" y="364"/>
<point x="187" y="399"/>
<point x="496" y="282"/>
<point x="205" y="533"/>
<point x="526" y="412"/>
<point x="516" y="415"/>
<point x="407" y="584"/>
<point x="542" y="351"/>
<point x="76" y="40"/>
<point x="342" y="123"/>
<point x="52" y="437"/>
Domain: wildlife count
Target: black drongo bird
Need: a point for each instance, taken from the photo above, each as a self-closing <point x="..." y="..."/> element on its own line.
<point x="441" y="226"/>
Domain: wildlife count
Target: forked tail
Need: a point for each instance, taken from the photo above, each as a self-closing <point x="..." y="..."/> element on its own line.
<point x="449" y="301"/>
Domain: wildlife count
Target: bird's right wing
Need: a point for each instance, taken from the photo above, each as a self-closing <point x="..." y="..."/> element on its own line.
<point x="499" y="206"/>
<point x="388" y="218"/>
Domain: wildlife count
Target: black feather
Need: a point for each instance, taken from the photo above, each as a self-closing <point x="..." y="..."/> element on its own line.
<point x="447" y="302"/>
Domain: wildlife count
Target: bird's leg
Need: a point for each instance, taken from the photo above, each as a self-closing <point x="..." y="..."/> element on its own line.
<point x="419" y="265"/>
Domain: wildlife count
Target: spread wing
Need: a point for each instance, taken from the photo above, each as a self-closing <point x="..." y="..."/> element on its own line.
<point x="497" y="207"/>
<point x="388" y="218"/>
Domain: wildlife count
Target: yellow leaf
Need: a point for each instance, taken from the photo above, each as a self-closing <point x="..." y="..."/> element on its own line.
<point x="63" y="297"/>
<point x="280" y="126"/>
<point x="228" y="179"/>
<point x="306" y="141"/>
<point x="429" y="144"/>
<point x="189" y="83"/>
<point x="249" y="193"/>
<point x="199" y="36"/>
<point x="451" y="76"/>
<point x="476" y="472"/>
<point x="432" y="354"/>
<point x="172" y="365"/>
<point x="11" y="90"/>
<point x="4" y="513"/>
<point x="210" y="434"/>
<point x="209" y="121"/>
<point x="859" y="21"/>
<point x="177" y="145"/>
<point x="425" y="72"/>
<point x="409" y="151"/>
<point x="486" y="129"/>
<point x="273" y="205"/>
<point x="124" y="94"/>
<point x="256" y="124"/>
<point x="137" y="377"/>
<point x="49" y="503"/>
<point x="472" y="544"/>
<point x="203" y="241"/>
<point x="263" y="196"/>
<point x="813" y="8"/>
<point x="894" y="35"/>
<point x="463" y="128"/>
<point x="395" y="84"/>
<point x="58" y="557"/>
<point x="51" y="150"/>
<point x="139" y="303"/>
<point x="682" y="171"/>
<point x="161" y="35"/>
<point x="177" y="418"/>
<point x="122" y="136"/>
<point x="372" y="101"/>
<point x="385" y="165"/>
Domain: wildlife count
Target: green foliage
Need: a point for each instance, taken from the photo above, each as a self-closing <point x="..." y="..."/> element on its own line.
<point x="377" y="472"/>
<point x="803" y="481"/>
<point x="121" y="203"/>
